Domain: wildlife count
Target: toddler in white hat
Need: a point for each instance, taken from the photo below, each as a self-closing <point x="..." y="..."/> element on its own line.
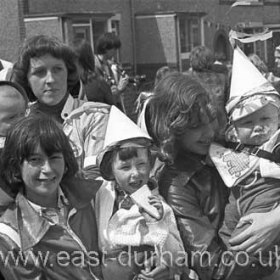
<point x="249" y="163"/>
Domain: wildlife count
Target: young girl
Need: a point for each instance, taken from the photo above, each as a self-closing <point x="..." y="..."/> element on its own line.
<point x="128" y="235"/>
<point x="48" y="225"/>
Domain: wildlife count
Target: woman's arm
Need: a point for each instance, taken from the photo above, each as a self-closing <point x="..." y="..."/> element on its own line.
<point x="264" y="229"/>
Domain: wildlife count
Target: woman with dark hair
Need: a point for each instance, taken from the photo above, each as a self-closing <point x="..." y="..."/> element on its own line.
<point x="46" y="69"/>
<point x="91" y="86"/>
<point x="106" y="46"/>
<point x="46" y="221"/>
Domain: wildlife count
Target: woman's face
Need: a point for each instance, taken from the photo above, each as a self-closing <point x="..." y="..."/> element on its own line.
<point x="197" y="140"/>
<point x="41" y="175"/>
<point x="47" y="77"/>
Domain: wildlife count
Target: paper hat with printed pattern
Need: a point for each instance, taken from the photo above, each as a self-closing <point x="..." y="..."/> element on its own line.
<point x="121" y="132"/>
<point x="249" y="91"/>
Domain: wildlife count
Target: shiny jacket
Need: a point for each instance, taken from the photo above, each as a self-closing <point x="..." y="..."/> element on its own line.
<point x="33" y="248"/>
<point x="198" y="197"/>
<point x="85" y="125"/>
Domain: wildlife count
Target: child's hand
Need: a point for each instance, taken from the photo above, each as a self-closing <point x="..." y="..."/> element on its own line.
<point x="156" y="202"/>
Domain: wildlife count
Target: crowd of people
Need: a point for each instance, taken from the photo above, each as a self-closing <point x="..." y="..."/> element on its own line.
<point x="190" y="192"/>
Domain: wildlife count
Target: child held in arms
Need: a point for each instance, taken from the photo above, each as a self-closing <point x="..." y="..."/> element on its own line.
<point x="249" y="162"/>
<point x="134" y="221"/>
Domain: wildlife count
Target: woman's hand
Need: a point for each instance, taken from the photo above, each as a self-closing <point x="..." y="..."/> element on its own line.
<point x="263" y="231"/>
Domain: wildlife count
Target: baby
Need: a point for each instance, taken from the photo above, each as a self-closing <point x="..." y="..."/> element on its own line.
<point x="249" y="161"/>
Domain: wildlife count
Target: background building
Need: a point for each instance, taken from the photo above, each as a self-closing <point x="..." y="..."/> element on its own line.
<point x="153" y="32"/>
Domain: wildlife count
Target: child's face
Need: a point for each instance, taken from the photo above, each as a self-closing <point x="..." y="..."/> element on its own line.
<point x="12" y="108"/>
<point x="197" y="140"/>
<point x="258" y="127"/>
<point x="133" y="173"/>
<point x="41" y="175"/>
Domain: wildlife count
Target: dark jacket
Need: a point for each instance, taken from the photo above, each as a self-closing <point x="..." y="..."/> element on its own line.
<point x="63" y="252"/>
<point x="198" y="197"/>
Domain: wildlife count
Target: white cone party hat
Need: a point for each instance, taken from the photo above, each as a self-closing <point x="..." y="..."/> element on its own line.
<point x="121" y="131"/>
<point x="246" y="82"/>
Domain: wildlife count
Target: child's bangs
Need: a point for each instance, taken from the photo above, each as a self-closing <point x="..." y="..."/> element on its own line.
<point x="128" y="152"/>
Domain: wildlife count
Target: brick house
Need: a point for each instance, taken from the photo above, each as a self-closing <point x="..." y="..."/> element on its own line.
<point x="156" y="32"/>
<point x="153" y="32"/>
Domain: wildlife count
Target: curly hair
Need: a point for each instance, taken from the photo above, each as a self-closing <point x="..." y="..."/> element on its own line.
<point x="201" y="58"/>
<point x="179" y="102"/>
<point x="38" y="46"/>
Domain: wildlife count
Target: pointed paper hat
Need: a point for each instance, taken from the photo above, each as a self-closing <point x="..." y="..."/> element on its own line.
<point x="121" y="132"/>
<point x="249" y="90"/>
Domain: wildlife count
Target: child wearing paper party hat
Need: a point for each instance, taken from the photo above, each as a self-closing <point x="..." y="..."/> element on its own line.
<point x="133" y="219"/>
<point x="249" y="163"/>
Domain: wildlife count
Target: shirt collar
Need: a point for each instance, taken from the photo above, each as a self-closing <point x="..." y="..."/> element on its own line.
<point x="61" y="202"/>
<point x="32" y="227"/>
<point x="68" y="107"/>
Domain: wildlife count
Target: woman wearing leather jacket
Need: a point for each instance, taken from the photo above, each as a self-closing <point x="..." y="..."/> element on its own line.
<point x="183" y="124"/>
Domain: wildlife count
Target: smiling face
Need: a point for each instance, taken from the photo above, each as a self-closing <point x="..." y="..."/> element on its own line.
<point x="198" y="139"/>
<point x="258" y="127"/>
<point x="12" y="107"/>
<point x="47" y="77"/>
<point x="41" y="175"/>
<point x="132" y="173"/>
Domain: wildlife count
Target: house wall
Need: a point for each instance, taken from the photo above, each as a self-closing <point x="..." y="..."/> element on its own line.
<point x="51" y="26"/>
<point x="12" y="30"/>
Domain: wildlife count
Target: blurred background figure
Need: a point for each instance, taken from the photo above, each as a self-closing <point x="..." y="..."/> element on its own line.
<point x="144" y="96"/>
<point x="262" y="67"/>
<point x="215" y="82"/>
<point x="219" y="64"/>
<point x="106" y="66"/>
<point x="277" y="60"/>
<point x="91" y="86"/>
<point x="5" y="69"/>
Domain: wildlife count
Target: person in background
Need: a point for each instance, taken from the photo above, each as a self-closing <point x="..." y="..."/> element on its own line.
<point x="262" y="67"/>
<point x="106" y="47"/>
<point x="13" y="105"/>
<point x="219" y="63"/>
<point x="91" y="86"/>
<point x="46" y="69"/>
<point x="143" y="98"/>
<point x="45" y="219"/>
<point x="277" y="60"/>
<point x="216" y="83"/>
<point x="5" y="69"/>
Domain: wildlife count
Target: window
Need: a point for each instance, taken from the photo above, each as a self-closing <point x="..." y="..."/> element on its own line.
<point x="189" y="33"/>
<point x="82" y="29"/>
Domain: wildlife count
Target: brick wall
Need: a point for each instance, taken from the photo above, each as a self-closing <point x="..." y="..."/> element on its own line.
<point x="12" y="30"/>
